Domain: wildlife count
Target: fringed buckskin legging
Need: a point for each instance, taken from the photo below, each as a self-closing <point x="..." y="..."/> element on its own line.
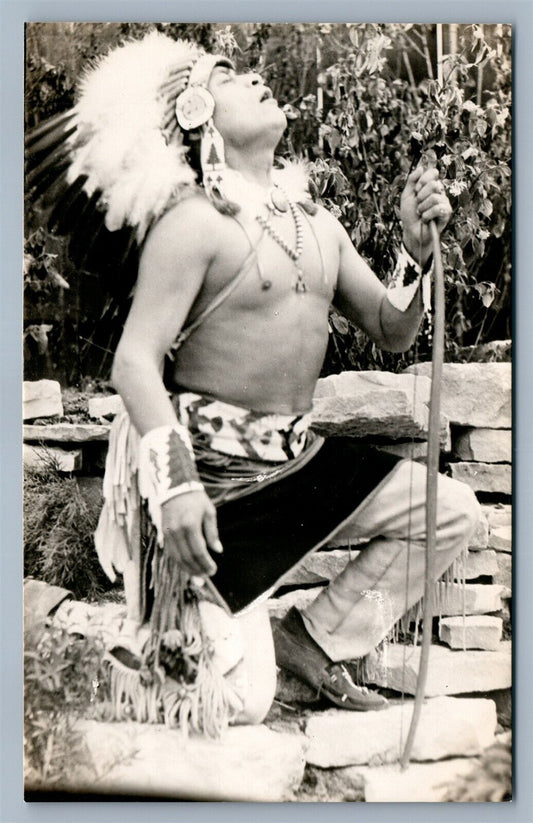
<point x="360" y="606"/>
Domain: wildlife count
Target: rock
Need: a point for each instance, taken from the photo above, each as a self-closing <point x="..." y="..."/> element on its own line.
<point x="248" y="763"/>
<point x="301" y="598"/>
<point x="366" y="404"/>
<point x="479" y="564"/>
<point x="448" y="727"/>
<point x="484" y="477"/>
<point x="479" y="632"/>
<point x="464" y="384"/>
<point x="480" y="538"/>
<point x="106" y="406"/>
<point x="450" y="672"/>
<point x="42" y="398"/>
<point x="38" y="457"/>
<point x="472" y="598"/>
<point x="501" y="538"/>
<point x="500" y="520"/>
<point x="419" y="783"/>
<point x="504" y="574"/>
<point x="483" y="445"/>
<point x="320" y="566"/>
<point x="66" y="433"/>
<point x="498" y="515"/>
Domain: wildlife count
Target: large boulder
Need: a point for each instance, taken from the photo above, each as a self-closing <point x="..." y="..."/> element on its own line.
<point x="448" y="727"/>
<point x="450" y="672"/>
<point x="370" y="404"/>
<point x="474" y="394"/>
<point x="248" y="763"/>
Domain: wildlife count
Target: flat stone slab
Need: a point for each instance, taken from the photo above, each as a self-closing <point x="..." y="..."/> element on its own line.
<point x="450" y="672"/>
<point x="367" y="404"/>
<point x="501" y="538"/>
<point x="484" y="477"/>
<point x="483" y="445"/>
<point x="471" y="598"/>
<point x="106" y="406"/>
<point x="480" y="564"/>
<point x="248" y="763"/>
<point x="66" y="433"/>
<point x="419" y="783"/>
<point x="500" y="514"/>
<point x="478" y="632"/>
<point x="504" y="575"/>
<point x="500" y="522"/>
<point x="464" y="385"/>
<point x="41" y="398"/>
<point x="448" y="727"/>
<point x="37" y="457"/>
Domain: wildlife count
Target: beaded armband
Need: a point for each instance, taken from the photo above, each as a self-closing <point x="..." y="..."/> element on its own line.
<point x="406" y="279"/>
<point x="166" y="468"/>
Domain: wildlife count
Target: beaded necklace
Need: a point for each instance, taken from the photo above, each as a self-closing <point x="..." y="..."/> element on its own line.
<point x="294" y="253"/>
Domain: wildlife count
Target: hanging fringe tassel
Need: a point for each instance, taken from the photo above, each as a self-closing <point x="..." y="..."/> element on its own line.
<point x="177" y="680"/>
<point x="408" y="627"/>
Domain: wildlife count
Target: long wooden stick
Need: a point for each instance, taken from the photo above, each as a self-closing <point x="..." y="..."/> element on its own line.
<point x="431" y="489"/>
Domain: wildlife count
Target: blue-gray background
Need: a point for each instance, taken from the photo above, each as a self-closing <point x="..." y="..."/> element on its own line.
<point x="13" y="14"/>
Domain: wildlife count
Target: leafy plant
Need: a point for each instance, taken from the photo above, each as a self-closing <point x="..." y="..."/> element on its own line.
<point x="375" y="127"/>
<point x="64" y="680"/>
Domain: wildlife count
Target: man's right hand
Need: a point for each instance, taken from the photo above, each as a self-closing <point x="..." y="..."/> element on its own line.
<point x="189" y="529"/>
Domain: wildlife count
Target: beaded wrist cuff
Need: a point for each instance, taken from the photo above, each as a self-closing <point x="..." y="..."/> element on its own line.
<point x="166" y="468"/>
<point x="406" y="280"/>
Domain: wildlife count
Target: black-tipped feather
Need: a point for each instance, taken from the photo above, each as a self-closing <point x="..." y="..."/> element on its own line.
<point x="48" y="144"/>
<point x="112" y="257"/>
<point x="79" y="236"/>
<point x="53" y="161"/>
<point x="47" y="179"/>
<point x="64" y="203"/>
<point x="59" y="120"/>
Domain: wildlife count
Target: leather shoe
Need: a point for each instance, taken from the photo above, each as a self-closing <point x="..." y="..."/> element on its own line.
<point x="298" y="653"/>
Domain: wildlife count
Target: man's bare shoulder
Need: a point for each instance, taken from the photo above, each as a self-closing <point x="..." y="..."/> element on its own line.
<point x="192" y="223"/>
<point x="331" y="223"/>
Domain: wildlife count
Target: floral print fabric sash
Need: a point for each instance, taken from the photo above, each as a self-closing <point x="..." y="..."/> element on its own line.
<point x="241" y="432"/>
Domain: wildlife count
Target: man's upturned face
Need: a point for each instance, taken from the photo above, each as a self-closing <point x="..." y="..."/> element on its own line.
<point x="245" y="110"/>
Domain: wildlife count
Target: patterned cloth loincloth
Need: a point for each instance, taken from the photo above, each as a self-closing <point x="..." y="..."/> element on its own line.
<point x="241" y="432"/>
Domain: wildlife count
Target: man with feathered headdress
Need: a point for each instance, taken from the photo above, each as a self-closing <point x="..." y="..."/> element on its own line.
<point x="215" y="484"/>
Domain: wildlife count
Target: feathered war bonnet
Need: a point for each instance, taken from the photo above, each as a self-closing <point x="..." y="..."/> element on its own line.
<point x="124" y="144"/>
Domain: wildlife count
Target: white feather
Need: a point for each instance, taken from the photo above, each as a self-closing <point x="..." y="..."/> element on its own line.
<point x="119" y="143"/>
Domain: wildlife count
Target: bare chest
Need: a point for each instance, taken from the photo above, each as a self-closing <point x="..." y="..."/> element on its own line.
<point x="270" y="262"/>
